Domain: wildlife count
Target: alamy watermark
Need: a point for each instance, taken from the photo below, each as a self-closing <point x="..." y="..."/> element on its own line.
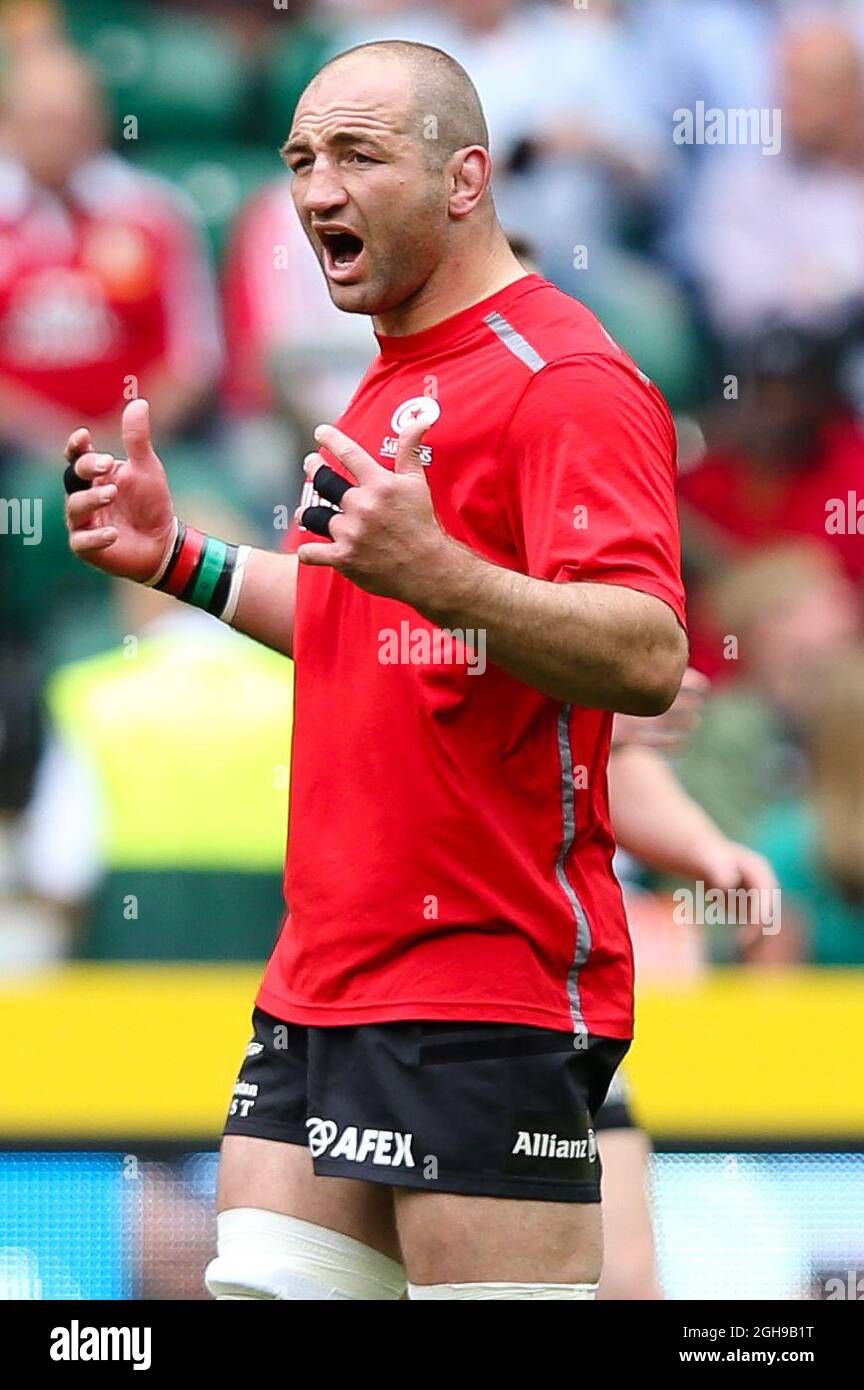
<point x="711" y="125"/>
<point x="700" y="906"/>
<point x="439" y="646"/>
<point x="77" y="1343"/>
<point x="844" y="516"/>
<point x="21" y="516"/>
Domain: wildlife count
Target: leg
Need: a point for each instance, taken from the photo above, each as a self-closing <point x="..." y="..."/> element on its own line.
<point x="629" y="1270"/>
<point x="484" y="1132"/>
<point x="283" y="1232"/>
<point x="450" y="1239"/>
<point x="272" y="1176"/>
<point x="286" y="1234"/>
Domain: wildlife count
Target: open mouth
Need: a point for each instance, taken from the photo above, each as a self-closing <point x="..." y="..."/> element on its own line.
<point x="342" y="252"/>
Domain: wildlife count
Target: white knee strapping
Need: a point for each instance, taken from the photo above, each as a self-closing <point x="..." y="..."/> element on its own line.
<point x="419" y="1292"/>
<point x="263" y="1254"/>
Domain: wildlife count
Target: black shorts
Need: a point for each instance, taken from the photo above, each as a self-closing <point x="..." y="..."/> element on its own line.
<point x="490" y="1109"/>
<point x="616" y="1112"/>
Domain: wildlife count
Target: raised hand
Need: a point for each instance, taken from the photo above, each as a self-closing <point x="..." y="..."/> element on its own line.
<point x="385" y="538"/>
<point x="123" y="523"/>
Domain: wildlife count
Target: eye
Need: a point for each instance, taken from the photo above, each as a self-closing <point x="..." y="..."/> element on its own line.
<point x="360" y="158"/>
<point x="298" y="165"/>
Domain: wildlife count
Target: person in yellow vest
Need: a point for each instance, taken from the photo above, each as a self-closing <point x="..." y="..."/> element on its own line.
<point x="159" y="814"/>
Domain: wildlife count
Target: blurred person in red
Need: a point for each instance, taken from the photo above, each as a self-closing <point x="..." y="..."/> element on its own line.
<point x="784" y="613"/>
<point x="104" y="288"/>
<point x="782" y="462"/>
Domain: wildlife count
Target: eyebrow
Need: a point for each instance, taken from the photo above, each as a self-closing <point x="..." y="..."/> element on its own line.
<point x="300" y="144"/>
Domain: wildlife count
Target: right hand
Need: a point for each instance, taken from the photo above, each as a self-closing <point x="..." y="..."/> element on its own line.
<point x="123" y="524"/>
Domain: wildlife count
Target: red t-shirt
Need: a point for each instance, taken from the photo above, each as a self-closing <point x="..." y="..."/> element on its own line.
<point x="755" y="510"/>
<point x="450" y="851"/>
<point x="759" y="510"/>
<point x="101" y="288"/>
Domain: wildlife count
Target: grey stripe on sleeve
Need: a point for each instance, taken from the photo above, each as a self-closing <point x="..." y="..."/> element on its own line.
<point x="519" y="346"/>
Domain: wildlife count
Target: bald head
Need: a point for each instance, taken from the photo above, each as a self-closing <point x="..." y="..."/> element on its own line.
<point x="388" y="152"/>
<point x="443" y="111"/>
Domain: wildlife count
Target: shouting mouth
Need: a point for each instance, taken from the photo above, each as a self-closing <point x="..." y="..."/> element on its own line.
<point x="343" y="254"/>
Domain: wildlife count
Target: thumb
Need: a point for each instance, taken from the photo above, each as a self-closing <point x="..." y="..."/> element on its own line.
<point x="407" y="458"/>
<point x="136" y="433"/>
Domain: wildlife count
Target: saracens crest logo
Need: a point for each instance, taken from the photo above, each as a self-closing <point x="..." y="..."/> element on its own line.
<point x="419" y="408"/>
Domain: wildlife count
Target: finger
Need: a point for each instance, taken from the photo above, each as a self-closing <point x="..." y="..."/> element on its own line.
<point x="317" y="520"/>
<point x="408" y="451"/>
<point x="71" y="481"/>
<point x="83" y="506"/>
<point x="79" y="442"/>
<point x="314" y="554"/>
<point x="349" y="453"/>
<point x="92" y="466"/>
<point x="83" y="542"/>
<point x="329" y="484"/>
<point x="135" y="428"/>
<point x="759" y="875"/>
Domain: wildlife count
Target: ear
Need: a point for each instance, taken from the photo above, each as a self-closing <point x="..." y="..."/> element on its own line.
<point x="470" y="174"/>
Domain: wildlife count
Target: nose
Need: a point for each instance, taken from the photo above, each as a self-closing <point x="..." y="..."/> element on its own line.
<point x="323" y="188"/>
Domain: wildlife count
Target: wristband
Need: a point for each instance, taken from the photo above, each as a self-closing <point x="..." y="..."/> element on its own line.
<point x="203" y="571"/>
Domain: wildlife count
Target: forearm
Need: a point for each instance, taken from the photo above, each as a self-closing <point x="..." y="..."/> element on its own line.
<point x="265" y="609"/>
<point x="601" y="646"/>
<point x="655" y="819"/>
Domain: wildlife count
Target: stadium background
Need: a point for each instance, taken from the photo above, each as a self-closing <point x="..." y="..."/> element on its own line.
<point x="143" y="754"/>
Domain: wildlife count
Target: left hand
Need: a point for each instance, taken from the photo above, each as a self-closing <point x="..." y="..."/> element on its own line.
<point x="728" y="866"/>
<point x="386" y="537"/>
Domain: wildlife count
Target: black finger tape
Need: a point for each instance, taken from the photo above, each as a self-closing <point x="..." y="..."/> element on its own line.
<point x="317" y="520"/>
<point x="71" y="481"/>
<point x="330" y="485"/>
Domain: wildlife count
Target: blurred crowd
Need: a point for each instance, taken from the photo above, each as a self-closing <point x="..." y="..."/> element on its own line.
<point x="691" y="169"/>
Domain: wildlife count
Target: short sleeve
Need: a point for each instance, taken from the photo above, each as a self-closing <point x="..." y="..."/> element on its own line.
<point x="591" y="468"/>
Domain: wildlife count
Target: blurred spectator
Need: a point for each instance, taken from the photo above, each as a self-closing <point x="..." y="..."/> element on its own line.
<point x="816" y="842"/>
<point x="781" y="462"/>
<point x="104" y="289"/>
<point x="783" y="613"/>
<point x="157" y="825"/>
<point x="782" y="235"/>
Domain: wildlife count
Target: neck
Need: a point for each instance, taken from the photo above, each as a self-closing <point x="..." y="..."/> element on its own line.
<point x="463" y="279"/>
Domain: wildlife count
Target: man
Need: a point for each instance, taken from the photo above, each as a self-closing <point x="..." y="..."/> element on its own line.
<point x="103" y="281"/>
<point x="451" y="993"/>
